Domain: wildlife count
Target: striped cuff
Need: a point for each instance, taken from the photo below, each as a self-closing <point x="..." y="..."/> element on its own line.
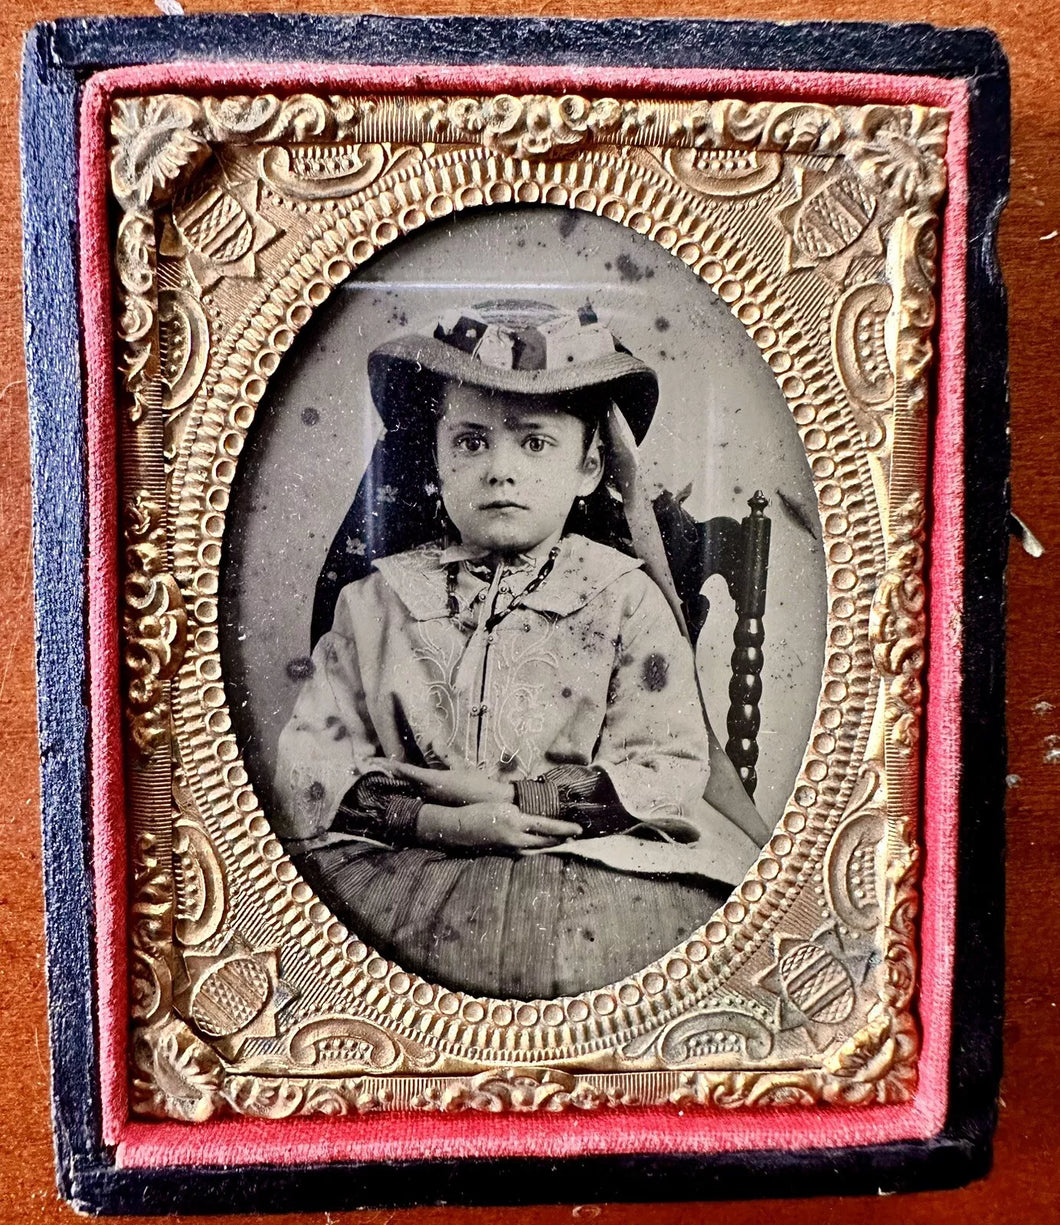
<point x="402" y="813"/>
<point x="537" y="797"/>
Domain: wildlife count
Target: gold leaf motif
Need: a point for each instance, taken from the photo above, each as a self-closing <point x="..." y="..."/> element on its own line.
<point x="878" y="1064"/>
<point x="175" y="1075"/>
<point x="901" y="151"/>
<point x="156" y="140"/>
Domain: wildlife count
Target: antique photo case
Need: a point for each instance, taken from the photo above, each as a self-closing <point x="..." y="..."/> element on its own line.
<point x="535" y="503"/>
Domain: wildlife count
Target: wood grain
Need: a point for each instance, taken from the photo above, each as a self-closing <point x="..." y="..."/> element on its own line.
<point x="1025" y="1184"/>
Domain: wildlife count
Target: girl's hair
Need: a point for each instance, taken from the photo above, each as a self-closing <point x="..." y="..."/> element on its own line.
<point x="398" y="505"/>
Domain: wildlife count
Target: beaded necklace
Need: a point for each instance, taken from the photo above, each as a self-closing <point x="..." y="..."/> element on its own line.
<point x="453" y="569"/>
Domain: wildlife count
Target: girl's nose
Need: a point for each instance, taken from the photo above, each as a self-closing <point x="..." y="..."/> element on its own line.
<point x="502" y="463"/>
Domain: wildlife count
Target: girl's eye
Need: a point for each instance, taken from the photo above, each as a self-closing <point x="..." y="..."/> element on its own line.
<point x="470" y="444"/>
<point x="536" y="443"/>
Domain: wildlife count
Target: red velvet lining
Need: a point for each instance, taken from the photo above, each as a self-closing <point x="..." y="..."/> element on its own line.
<point x="390" y="1137"/>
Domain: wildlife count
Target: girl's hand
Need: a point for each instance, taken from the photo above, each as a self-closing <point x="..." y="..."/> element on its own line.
<point x="453" y="786"/>
<point x="490" y="826"/>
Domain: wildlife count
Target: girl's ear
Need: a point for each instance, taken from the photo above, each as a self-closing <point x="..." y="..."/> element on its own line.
<point x="592" y="466"/>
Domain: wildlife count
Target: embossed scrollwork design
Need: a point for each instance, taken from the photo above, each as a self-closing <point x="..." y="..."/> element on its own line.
<point x="150" y="979"/>
<point x="735" y="1089"/>
<point x="707" y="1037"/>
<point x="154" y="621"/>
<point x="791" y="126"/>
<point x="315" y="186"/>
<point x="267" y="1098"/>
<point x="899" y="622"/>
<point x="135" y="260"/>
<point x="298" y="117"/>
<point x="518" y="1091"/>
<point x="529" y="126"/>
<point x="851" y="871"/>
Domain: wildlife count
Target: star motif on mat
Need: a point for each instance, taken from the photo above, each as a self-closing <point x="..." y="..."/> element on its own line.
<point x="814" y="981"/>
<point x="833" y="220"/>
<point x="221" y="231"/>
<point x="233" y="993"/>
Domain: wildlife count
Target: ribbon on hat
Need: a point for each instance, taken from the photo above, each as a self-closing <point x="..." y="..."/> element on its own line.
<point x="644" y="531"/>
<point x="725" y="793"/>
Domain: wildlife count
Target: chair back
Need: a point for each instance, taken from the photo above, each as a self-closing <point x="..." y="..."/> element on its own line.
<point x="738" y="550"/>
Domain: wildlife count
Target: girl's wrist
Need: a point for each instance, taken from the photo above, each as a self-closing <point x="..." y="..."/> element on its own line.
<point x="430" y="823"/>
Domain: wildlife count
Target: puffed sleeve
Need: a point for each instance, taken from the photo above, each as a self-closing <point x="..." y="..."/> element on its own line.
<point x="329" y="742"/>
<point x="653" y="746"/>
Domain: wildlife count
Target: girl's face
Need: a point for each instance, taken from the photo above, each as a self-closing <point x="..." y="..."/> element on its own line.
<point x="509" y="471"/>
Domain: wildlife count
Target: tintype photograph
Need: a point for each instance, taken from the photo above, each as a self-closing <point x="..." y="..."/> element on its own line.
<point x="523" y="603"/>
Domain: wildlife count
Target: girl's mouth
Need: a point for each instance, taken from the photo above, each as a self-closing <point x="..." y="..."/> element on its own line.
<point x="502" y="505"/>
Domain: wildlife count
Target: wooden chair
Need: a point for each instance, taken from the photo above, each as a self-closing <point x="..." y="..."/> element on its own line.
<point x="739" y="552"/>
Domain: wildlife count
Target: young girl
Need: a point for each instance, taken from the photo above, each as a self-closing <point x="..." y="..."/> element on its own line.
<point x="495" y="772"/>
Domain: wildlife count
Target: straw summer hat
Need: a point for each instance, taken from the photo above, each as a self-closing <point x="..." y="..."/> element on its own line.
<point x="516" y="346"/>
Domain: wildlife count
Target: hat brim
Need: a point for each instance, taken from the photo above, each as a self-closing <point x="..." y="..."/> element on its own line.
<point x="404" y="376"/>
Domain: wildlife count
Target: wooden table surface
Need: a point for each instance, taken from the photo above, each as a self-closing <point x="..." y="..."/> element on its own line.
<point x="1025" y="1183"/>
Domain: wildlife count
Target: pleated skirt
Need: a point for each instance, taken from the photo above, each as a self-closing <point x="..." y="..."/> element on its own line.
<point x="532" y="927"/>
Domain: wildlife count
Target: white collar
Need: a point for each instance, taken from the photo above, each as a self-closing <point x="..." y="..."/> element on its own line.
<point x="583" y="568"/>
